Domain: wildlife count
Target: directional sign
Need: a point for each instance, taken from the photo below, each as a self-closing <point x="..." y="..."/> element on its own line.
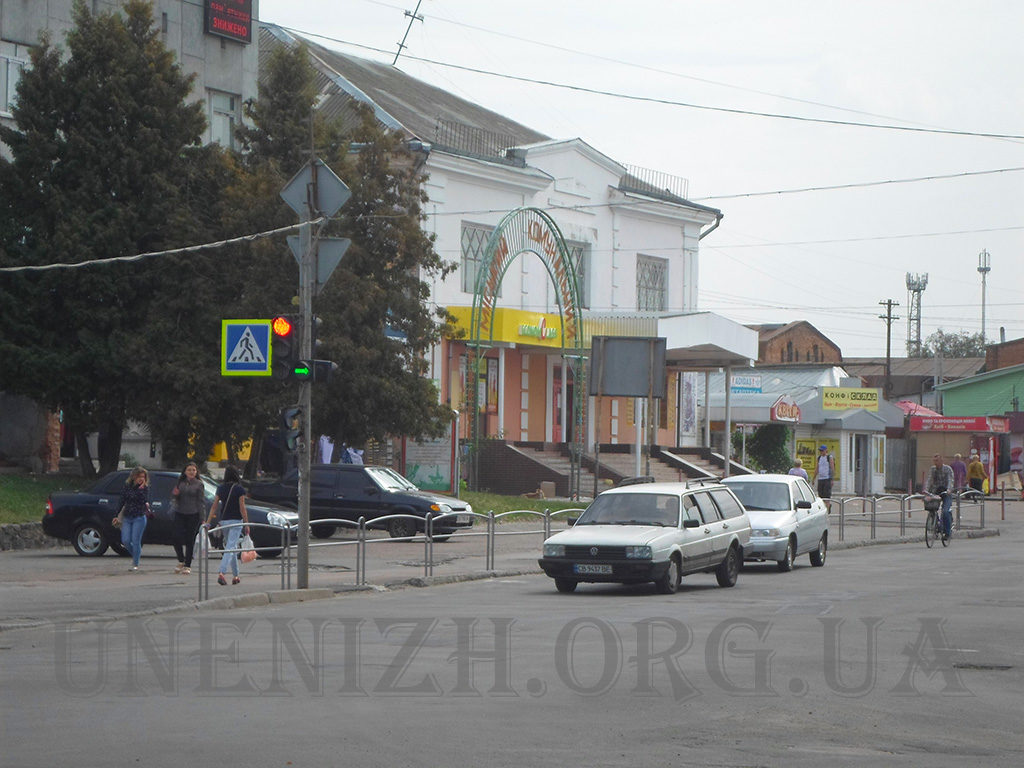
<point x="245" y="348"/>
<point x="332" y="192"/>
<point x="329" y="252"/>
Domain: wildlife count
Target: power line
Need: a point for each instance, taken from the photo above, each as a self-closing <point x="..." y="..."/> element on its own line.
<point x="151" y="254"/>
<point x="858" y="184"/>
<point x="874" y="237"/>
<point x="666" y="102"/>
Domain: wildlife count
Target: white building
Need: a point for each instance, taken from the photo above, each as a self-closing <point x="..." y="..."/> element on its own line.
<point x="631" y="234"/>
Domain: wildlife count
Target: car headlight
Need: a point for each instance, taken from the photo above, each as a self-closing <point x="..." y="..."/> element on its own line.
<point x="638" y="553"/>
<point x="442" y="509"/>
<point x="554" y="550"/>
<point x="772" y="533"/>
<point x="276" y="518"/>
<point x="469" y="508"/>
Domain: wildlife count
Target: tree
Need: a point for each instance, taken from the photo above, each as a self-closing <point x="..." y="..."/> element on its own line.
<point x="381" y="388"/>
<point x="767" y="448"/>
<point x="963" y="344"/>
<point x="102" y="143"/>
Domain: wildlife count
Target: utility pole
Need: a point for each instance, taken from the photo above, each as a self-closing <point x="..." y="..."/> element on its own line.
<point x="888" y="317"/>
<point x="414" y="16"/>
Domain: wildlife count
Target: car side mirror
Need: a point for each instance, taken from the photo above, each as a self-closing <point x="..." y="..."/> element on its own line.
<point x="370" y="490"/>
<point x="803" y="504"/>
<point x="690" y="523"/>
<point x="571" y="521"/>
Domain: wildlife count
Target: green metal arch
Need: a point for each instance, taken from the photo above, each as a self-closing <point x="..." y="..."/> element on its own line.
<point x="527" y="230"/>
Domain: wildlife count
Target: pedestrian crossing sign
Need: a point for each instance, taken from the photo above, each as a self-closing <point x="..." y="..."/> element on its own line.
<point x="245" y="348"/>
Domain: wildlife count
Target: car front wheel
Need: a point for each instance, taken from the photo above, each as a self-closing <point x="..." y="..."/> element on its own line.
<point x="818" y="555"/>
<point x="729" y="569"/>
<point x="565" y="585"/>
<point x="669" y="583"/>
<point x="402" y="528"/>
<point x="89" y="540"/>
<point x="786" y="563"/>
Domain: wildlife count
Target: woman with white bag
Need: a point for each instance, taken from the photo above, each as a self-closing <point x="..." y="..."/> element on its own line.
<point x="230" y="496"/>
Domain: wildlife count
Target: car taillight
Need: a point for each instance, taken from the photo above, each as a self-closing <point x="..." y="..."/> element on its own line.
<point x="49" y="507"/>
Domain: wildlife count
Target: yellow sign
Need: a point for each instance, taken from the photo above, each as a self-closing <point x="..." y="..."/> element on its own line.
<point x="807" y="451"/>
<point x="517" y="326"/>
<point x="845" y="398"/>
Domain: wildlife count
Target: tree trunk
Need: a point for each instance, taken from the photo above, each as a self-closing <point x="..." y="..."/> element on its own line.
<point x="84" y="457"/>
<point x="110" y="445"/>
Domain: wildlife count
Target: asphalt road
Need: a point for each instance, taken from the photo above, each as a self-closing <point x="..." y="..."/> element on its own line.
<point x="888" y="655"/>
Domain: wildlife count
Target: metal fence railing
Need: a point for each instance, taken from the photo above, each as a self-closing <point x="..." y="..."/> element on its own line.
<point x="866" y="517"/>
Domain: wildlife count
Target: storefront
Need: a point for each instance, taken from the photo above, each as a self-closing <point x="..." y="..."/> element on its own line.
<point x="950" y="435"/>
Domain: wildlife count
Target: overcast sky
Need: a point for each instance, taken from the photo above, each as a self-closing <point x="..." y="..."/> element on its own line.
<point x="825" y="256"/>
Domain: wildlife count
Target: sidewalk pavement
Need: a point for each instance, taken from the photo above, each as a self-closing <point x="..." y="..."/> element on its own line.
<point x="40" y="587"/>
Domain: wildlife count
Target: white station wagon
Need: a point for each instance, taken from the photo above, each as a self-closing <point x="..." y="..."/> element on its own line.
<point x="656" y="532"/>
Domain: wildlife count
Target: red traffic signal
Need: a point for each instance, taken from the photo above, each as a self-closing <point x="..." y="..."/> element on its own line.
<point x="282" y="326"/>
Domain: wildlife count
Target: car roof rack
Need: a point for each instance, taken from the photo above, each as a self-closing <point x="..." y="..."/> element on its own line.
<point x="698" y="482"/>
<point x="635" y="480"/>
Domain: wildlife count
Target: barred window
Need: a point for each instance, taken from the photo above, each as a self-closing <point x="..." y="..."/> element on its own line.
<point x="651" y="283"/>
<point x="474" y="243"/>
<point x="580" y="257"/>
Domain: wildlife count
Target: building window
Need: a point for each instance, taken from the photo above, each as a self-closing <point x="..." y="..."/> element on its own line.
<point x="815" y="353"/>
<point x="789" y="352"/>
<point x="651" y="283"/>
<point x="223" y="118"/>
<point x="579" y="254"/>
<point x="10" y="74"/>
<point x="474" y="244"/>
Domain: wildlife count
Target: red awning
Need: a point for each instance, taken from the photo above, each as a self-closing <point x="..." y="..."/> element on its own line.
<point x="911" y="408"/>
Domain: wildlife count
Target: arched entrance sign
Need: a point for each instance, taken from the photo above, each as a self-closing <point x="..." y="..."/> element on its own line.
<point x="523" y="231"/>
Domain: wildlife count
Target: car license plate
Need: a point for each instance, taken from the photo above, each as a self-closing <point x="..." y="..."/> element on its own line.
<point x="462" y="519"/>
<point x="591" y="568"/>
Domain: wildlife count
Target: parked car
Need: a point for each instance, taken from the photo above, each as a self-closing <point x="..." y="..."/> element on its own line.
<point x="786" y="517"/>
<point x="656" y="532"/>
<point x="84" y="517"/>
<point x="351" y="491"/>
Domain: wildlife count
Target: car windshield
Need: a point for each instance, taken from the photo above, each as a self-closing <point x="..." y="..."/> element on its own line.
<point x="389" y="480"/>
<point x="632" y="509"/>
<point x="770" y="497"/>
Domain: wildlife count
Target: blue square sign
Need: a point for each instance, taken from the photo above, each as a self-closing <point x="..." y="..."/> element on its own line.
<point x="245" y="348"/>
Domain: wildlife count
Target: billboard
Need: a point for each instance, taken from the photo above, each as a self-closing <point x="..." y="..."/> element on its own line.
<point x="229" y="18"/>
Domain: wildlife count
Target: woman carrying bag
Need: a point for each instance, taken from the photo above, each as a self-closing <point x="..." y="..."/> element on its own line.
<point x="230" y="496"/>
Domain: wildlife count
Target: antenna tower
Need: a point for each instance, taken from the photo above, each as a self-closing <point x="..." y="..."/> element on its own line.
<point x="915" y="287"/>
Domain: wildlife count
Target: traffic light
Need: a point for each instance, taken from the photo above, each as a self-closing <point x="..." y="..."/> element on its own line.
<point x="287" y="331"/>
<point x="291" y="427"/>
<point x="314" y="370"/>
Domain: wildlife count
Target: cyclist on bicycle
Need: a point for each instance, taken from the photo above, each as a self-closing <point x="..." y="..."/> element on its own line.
<point x="940" y="480"/>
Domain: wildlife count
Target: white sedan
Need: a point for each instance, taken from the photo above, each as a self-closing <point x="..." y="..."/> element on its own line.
<point x="787" y="518"/>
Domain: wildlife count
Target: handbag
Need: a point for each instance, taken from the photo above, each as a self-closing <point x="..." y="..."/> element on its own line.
<point x="248" y="549"/>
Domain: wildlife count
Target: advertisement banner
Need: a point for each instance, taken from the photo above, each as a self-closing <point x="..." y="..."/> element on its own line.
<point x="430" y="464"/>
<point x="807" y="452"/>
<point x="959" y="424"/>
<point x="845" y="398"/>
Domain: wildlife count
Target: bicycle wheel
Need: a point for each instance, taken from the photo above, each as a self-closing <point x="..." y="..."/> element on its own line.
<point x="929" y="530"/>
<point x="945" y="537"/>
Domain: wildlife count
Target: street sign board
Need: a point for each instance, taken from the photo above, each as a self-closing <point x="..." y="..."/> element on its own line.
<point x="245" y="348"/>
<point x="329" y="253"/>
<point x="332" y="192"/>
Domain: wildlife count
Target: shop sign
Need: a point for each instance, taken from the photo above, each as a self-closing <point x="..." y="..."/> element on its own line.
<point x="959" y="424"/>
<point x="538" y="330"/>
<point x="845" y="398"/>
<point x="785" y="409"/>
<point x="745" y="383"/>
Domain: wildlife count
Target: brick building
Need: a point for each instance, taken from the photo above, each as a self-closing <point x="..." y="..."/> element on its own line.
<point x="795" y="342"/>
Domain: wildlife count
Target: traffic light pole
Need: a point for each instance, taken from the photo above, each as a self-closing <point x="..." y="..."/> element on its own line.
<point x="307" y="272"/>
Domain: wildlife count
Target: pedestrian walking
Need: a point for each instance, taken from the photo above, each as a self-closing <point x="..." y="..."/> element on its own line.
<point x="976" y="474"/>
<point x="826" y="472"/>
<point x="231" y="498"/>
<point x="798" y="469"/>
<point x="133" y="514"/>
<point x="188" y="497"/>
<point x="959" y="472"/>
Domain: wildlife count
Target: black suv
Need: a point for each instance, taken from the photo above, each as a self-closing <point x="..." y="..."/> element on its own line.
<point x="351" y="491"/>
